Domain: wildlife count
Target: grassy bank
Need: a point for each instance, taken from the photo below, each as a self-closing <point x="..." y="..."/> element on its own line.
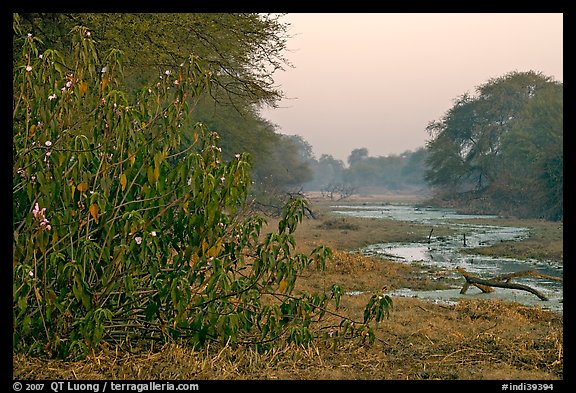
<point x="474" y="339"/>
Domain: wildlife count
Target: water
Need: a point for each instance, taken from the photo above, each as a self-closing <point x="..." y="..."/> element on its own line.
<point x="423" y="215"/>
<point x="445" y="253"/>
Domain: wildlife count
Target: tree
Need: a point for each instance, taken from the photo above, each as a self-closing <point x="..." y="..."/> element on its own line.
<point x="532" y="163"/>
<point x="475" y="147"/>
<point x="242" y="52"/>
<point x="413" y="171"/>
<point x="357" y="155"/>
<point x="327" y="174"/>
<point x="243" y="49"/>
<point x="285" y="170"/>
<point x="239" y="129"/>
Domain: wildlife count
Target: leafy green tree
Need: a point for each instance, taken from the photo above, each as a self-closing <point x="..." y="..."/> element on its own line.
<point x="448" y="167"/>
<point x="240" y="129"/>
<point x="286" y="169"/>
<point x="531" y="170"/>
<point x="120" y="233"/>
<point x="476" y="147"/>
<point x="243" y="49"/>
<point x="295" y="154"/>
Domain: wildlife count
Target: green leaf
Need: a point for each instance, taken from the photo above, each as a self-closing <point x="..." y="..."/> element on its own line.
<point x="151" y="310"/>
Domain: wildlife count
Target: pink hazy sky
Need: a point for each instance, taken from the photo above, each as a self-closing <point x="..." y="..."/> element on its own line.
<point x="376" y="80"/>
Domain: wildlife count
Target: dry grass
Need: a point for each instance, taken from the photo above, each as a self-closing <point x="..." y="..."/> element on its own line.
<point x="472" y="340"/>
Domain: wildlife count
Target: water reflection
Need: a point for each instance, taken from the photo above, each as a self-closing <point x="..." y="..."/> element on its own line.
<point x="446" y="253"/>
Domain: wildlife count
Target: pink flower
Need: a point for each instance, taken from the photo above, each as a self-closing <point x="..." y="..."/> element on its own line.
<point x="43" y="223"/>
<point x="39" y="214"/>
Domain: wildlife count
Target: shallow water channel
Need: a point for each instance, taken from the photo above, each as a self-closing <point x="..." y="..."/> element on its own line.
<point x="445" y="253"/>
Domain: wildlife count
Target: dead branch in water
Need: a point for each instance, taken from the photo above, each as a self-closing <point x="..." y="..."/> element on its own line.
<point x="503" y="281"/>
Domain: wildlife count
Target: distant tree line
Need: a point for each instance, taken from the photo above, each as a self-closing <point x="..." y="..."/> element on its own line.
<point x="393" y="172"/>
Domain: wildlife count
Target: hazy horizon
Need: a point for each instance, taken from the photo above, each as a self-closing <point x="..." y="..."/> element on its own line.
<point x="377" y="80"/>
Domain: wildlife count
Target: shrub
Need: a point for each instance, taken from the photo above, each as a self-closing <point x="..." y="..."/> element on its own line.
<point x="121" y="233"/>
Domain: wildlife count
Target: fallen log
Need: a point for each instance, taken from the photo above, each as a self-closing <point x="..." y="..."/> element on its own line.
<point x="503" y="281"/>
<point x="524" y="273"/>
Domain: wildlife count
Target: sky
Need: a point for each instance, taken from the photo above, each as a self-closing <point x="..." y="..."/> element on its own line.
<point x="376" y="80"/>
